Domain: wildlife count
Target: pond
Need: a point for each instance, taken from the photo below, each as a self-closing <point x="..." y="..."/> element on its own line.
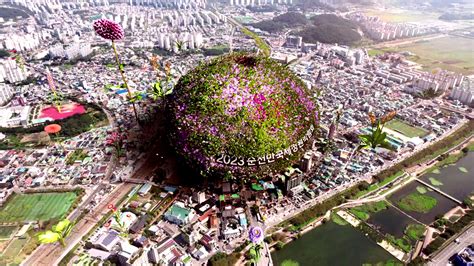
<point x="391" y="221"/>
<point x="443" y="204"/>
<point x="332" y="244"/>
<point x="457" y="180"/>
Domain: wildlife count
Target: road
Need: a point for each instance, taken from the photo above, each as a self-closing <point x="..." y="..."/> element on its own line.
<point x="442" y="257"/>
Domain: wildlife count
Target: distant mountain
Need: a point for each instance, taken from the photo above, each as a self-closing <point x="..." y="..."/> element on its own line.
<point x="326" y="28"/>
<point x="329" y="28"/>
<point x="282" y="22"/>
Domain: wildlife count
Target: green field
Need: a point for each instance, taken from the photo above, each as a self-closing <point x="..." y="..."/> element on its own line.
<point x="375" y="186"/>
<point x="36" y="207"/>
<point x="375" y="52"/>
<point x="415" y="231"/>
<point x="417" y="202"/>
<point x="363" y="212"/>
<point x="450" y="53"/>
<point x="7" y="231"/>
<point x="338" y="219"/>
<point x="406" y="129"/>
<point x="398" y="16"/>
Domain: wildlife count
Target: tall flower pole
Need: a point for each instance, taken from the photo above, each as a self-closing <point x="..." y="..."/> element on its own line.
<point x="118" y="219"/>
<point x="112" y="31"/>
<point x="376" y="138"/>
<point x="54" y="129"/>
<point x="116" y="140"/>
<point x="256" y="235"/>
<point x="56" y="98"/>
<point x="58" y="232"/>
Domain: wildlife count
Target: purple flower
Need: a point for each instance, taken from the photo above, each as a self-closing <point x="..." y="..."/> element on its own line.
<point x="108" y="29"/>
<point x="256" y="234"/>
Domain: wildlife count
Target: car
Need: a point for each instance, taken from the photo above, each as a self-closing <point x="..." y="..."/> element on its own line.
<point x="457" y="241"/>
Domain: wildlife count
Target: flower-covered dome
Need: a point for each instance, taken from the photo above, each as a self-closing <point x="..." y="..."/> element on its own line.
<point x="241" y="114"/>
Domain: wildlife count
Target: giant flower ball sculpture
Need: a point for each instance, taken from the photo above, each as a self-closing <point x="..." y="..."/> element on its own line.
<point x="241" y="115"/>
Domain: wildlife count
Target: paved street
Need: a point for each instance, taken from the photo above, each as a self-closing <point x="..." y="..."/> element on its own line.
<point x="465" y="239"/>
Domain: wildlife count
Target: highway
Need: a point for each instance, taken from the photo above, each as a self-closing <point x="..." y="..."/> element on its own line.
<point x="466" y="239"/>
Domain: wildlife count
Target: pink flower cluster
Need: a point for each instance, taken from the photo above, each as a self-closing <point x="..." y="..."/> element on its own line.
<point x="108" y="29"/>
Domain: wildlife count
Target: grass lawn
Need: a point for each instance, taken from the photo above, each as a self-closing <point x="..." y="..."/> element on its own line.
<point x="403" y="243"/>
<point x="360" y="214"/>
<point x="417" y="202"/>
<point x="415" y="231"/>
<point x="451" y="53"/>
<point x="375" y="186"/>
<point x="7" y="231"/>
<point x="375" y="52"/>
<point x="338" y="219"/>
<point x="363" y="212"/>
<point x="37" y="207"/>
<point x="406" y="129"/>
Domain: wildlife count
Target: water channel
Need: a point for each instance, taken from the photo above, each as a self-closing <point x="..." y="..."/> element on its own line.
<point x="333" y="244"/>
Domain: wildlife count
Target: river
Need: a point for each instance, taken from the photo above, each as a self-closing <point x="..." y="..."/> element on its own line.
<point x="332" y="244"/>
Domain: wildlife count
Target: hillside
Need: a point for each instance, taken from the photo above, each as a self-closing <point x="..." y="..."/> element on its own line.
<point x="282" y="22"/>
<point x="328" y="28"/>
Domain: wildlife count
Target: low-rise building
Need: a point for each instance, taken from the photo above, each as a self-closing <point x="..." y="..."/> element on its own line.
<point x="178" y="215"/>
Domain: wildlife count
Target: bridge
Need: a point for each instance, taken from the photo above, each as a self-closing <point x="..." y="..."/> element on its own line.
<point x="138" y="181"/>
<point x="439" y="191"/>
<point x="406" y="214"/>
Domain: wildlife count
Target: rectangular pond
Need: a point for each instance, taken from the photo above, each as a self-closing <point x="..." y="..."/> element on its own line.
<point x="332" y="244"/>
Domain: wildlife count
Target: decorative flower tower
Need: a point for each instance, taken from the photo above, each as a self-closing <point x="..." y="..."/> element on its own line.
<point x="241" y="115"/>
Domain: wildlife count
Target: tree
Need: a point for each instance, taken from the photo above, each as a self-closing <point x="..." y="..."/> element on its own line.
<point x="57" y="233"/>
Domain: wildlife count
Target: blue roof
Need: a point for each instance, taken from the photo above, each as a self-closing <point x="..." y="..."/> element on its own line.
<point x="145" y="188"/>
<point x="170" y="189"/>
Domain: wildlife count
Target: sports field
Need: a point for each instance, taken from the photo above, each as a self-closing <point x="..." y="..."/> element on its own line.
<point x="406" y="129"/>
<point x="37" y="207"/>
